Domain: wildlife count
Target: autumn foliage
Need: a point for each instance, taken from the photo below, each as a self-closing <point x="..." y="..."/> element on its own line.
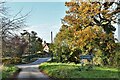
<point x="88" y="26"/>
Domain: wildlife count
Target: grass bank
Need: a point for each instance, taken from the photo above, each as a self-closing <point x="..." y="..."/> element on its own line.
<point x="9" y="71"/>
<point x="64" y="70"/>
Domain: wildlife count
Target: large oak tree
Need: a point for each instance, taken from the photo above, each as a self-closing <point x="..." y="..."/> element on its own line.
<point x="89" y="25"/>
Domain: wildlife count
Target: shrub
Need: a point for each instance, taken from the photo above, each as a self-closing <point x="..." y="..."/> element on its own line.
<point x="7" y="61"/>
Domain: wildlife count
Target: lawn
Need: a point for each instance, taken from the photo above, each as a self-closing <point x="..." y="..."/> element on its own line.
<point x="65" y="70"/>
<point x="8" y="71"/>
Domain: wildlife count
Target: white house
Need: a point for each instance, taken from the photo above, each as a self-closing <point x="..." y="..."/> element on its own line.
<point x="45" y="47"/>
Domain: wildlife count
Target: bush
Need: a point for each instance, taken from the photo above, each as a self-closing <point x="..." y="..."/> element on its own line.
<point x="115" y="57"/>
<point x="7" y="61"/>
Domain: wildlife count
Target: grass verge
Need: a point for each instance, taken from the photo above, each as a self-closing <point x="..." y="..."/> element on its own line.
<point x="9" y="71"/>
<point x="71" y="70"/>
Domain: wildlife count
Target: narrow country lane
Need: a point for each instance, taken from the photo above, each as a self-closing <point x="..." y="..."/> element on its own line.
<point x="31" y="71"/>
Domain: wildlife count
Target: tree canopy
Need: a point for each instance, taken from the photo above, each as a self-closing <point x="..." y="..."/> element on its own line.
<point x="89" y="25"/>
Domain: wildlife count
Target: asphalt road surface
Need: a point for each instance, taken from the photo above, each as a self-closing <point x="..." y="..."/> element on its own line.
<point x="31" y="71"/>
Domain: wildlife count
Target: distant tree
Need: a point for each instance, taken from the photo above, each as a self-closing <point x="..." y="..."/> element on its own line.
<point x="15" y="47"/>
<point x="22" y="47"/>
<point x="9" y="24"/>
<point x="35" y="43"/>
<point x="39" y="46"/>
<point x="19" y="45"/>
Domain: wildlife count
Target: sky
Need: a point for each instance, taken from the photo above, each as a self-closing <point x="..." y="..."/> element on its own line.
<point x="44" y="17"/>
<point x="36" y="0"/>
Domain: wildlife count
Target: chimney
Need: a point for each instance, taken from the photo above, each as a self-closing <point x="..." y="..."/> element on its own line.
<point x="51" y="37"/>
